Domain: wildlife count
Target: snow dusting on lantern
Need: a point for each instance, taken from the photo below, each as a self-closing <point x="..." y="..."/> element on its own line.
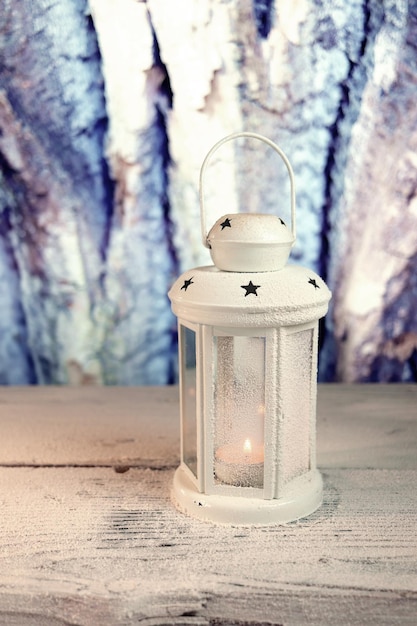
<point x="248" y="328"/>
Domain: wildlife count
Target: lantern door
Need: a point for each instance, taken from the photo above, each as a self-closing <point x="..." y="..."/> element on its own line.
<point x="239" y="402"/>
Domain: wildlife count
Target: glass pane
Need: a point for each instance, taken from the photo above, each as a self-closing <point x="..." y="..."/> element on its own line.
<point x="239" y="410"/>
<point x="296" y="397"/>
<point x="189" y="391"/>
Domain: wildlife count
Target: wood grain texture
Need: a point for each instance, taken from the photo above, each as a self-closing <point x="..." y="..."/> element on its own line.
<point x="54" y="203"/>
<point x="107" y="110"/>
<point x="139" y="331"/>
<point x="140" y="426"/>
<point x="90" y="426"/>
<point x="92" y="533"/>
<point x="101" y="545"/>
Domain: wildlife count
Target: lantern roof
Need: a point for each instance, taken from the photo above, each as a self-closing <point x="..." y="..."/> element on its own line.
<point x="292" y="295"/>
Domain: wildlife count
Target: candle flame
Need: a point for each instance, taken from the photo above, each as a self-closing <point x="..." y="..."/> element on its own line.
<point x="247" y="446"/>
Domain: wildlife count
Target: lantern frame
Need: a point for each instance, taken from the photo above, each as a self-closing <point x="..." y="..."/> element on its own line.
<point x="206" y="304"/>
<point x="276" y="502"/>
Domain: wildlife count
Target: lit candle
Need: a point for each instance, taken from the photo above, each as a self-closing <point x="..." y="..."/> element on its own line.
<point x="240" y="465"/>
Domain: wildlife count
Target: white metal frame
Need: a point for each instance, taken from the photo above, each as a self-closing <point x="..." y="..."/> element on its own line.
<point x="276" y="502"/>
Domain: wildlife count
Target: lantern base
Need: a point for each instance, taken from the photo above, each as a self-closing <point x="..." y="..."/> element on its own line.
<point x="302" y="497"/>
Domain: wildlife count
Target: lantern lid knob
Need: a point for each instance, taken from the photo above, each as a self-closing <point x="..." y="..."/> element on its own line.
<point x="249" y="242"/>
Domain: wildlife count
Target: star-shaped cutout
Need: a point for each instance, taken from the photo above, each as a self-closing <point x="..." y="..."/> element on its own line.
<point x="250" y="288"/>
<point x="187" y="283"/>
<point x="312" y="281"/>
<point x="226" y="224"/>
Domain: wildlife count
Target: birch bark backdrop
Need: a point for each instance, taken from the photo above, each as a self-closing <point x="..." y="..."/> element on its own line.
<point x="107" y="109"/>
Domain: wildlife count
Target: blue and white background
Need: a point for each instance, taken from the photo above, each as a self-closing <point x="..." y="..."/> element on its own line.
<point x="107" y="109"/>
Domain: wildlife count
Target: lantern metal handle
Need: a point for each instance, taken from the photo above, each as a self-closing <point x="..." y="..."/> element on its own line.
<point x="205" y="164"/>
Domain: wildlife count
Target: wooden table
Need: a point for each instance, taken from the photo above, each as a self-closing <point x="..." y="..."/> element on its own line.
<point x="89" y="535"/>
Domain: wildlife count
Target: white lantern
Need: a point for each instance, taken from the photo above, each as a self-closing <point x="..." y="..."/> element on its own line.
<point x="248" y="329"/>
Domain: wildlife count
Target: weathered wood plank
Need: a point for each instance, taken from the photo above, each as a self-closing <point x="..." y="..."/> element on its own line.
<point x="115" y="542"/>
<point x="90" y="426"/>
<point x="362" y="426"/>
<point x="96" y="545"/>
